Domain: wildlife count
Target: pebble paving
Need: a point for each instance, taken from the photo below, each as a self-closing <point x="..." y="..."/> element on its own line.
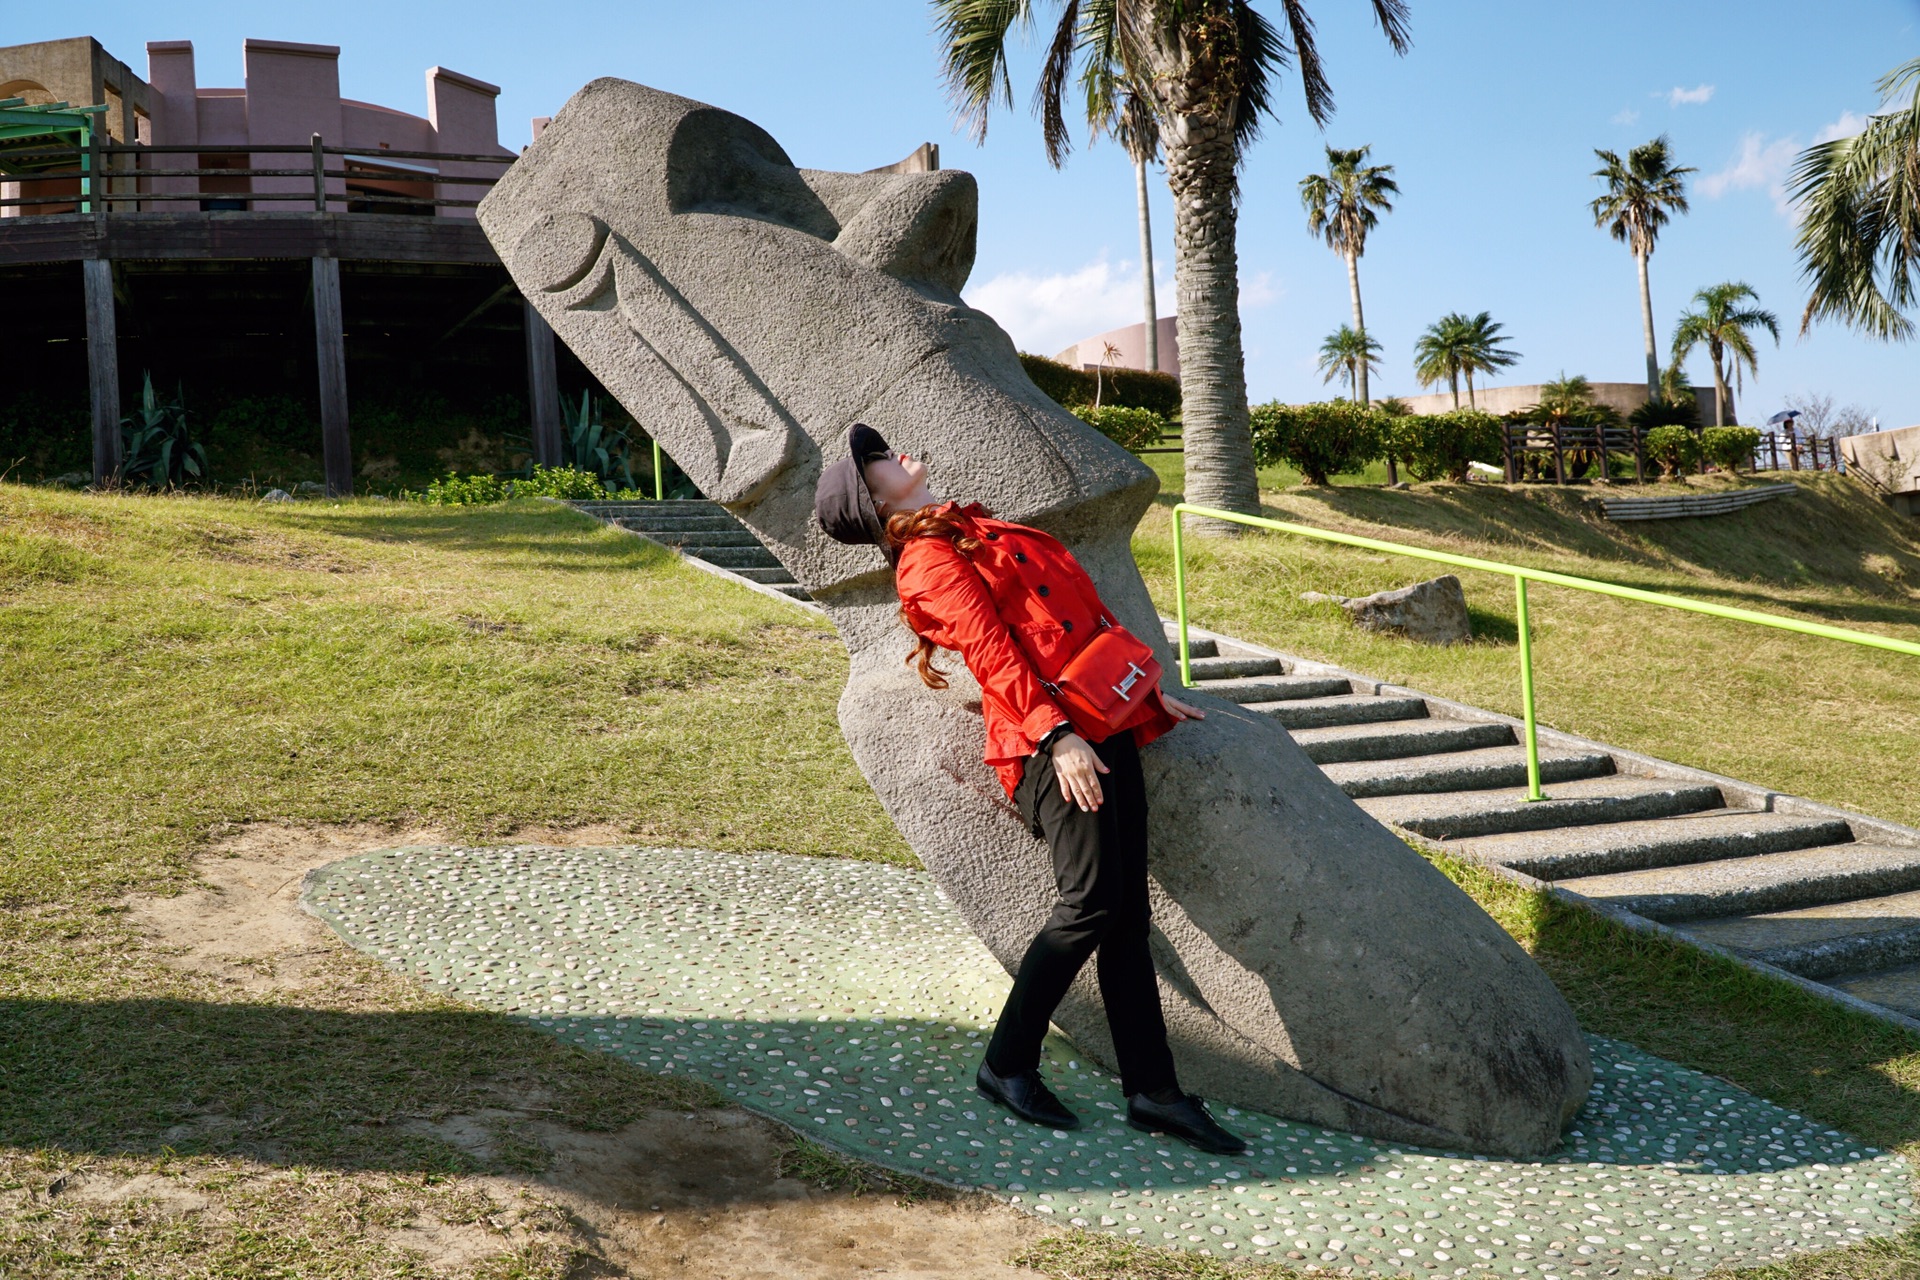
<point x="850" y="1001"/>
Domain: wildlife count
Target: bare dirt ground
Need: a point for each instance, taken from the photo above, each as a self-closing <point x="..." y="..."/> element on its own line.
<point x="677" y="1194"/>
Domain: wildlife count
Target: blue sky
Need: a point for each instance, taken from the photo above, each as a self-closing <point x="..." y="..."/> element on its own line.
<point x="1490" y="122"/>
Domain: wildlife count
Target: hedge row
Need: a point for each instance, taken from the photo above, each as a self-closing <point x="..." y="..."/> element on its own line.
<point x="1128" y="388"/>
<point x="1335" y="437"/>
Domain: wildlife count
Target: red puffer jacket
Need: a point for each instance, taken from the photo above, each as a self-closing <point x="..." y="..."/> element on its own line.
<point x="1017" y="610"/>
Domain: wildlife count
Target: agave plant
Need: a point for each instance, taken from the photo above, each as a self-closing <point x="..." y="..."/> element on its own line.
<point x="155" y="447"/>
<point x="590" y="445"/>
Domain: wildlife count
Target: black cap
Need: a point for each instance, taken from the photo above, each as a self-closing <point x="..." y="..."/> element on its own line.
<point x="842" y="502"/>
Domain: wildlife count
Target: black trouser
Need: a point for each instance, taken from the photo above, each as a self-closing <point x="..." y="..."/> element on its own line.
<point x="1100" y="867"/>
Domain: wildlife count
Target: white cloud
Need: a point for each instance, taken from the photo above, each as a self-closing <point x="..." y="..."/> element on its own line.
<point x="1694" y="97"/>
<point x="1044" y="314"/>
<point x="1845" y="127"/>
<point x="1626" y="115"/>
<point x="1760" y="165"/>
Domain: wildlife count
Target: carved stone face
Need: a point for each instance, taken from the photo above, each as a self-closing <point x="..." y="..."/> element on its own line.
<point x="747" y="312"/>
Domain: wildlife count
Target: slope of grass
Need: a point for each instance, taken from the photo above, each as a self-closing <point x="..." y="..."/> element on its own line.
<point x="1813" y="717"/>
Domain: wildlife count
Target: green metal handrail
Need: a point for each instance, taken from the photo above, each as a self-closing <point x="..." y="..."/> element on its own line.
<point x="1521" y="576"/>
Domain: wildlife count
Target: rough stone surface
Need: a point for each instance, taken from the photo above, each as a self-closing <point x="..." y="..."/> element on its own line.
<point x="747" y="311"/>
<point x="1432" y="612"/>
<point x="849" y="1000"/>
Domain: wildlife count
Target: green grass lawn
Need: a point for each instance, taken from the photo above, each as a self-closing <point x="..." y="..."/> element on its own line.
<point x="172" y="666"/>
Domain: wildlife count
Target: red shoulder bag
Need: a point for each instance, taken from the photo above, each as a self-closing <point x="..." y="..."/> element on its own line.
<point x="1109" y="679"/>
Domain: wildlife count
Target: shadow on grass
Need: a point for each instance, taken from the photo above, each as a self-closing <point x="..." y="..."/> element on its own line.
<point x="547" y="531"/>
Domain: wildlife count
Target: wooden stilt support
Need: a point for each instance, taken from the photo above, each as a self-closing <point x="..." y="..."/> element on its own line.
<point x="330" y="346"/>
<point x="103" y="368"/>
<point x="543" y="389"/>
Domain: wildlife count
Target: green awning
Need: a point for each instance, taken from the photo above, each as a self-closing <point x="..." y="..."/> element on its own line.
<point x="50" y="126"/>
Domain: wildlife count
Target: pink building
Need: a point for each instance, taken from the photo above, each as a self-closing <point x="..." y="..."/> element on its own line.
<point x="292" y="92"/>
<point x="1130" y="346"/>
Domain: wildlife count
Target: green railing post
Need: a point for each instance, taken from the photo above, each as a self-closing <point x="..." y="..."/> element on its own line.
<point x="86" y="171"/>
<point x="1526" y="688"/>
<point x="659" y="478"/>
<point x="1180" y="601"/>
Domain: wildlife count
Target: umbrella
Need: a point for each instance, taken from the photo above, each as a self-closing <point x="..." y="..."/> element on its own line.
<point x="1785" y="415"/>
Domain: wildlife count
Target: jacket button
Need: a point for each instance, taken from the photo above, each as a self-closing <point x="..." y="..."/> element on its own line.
<point x="1067" y="623"/>
<point x="1043" y="590"/>
<point x="1020" y="557"/>
<point x="993" y="537"/>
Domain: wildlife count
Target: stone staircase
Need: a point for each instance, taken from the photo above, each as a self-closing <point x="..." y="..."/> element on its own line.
<point x="705" y="533"/>
<point x="1827" y="898"/>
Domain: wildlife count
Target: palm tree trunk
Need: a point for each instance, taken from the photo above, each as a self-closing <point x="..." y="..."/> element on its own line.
<point x="1719" y="392"/>
<point x="1646" y="322"/>
<point x="1470" y="403"/>
<point x="1152" y="334"/>
<point x="1213" y="375"/>
<point x="1453" y="380"/>
<point x="1359" y="327"/>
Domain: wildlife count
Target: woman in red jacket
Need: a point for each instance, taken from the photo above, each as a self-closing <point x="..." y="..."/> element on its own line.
<point x="1017" y="607"/>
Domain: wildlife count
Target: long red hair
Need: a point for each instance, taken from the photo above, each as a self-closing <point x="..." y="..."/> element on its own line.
<point x="928" y="522"/>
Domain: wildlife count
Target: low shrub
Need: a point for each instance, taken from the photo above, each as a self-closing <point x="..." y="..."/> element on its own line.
<point x="462" y="491"/>
<point x="1665" y="413"/>
<point x="1675" y="448"/>
<point x="156" y="449"/>
<point x="1129" y="388"/>
<point x="1438" y="446"/>
<point x="1729" y="447"/>
<point x="1128" y="427"/>
<point x="1332" y="437"/>
<point x="558" y="482"/>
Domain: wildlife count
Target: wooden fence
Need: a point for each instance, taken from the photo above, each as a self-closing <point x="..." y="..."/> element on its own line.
<point x="121" y="178"/>
<point x="1558" y="452"/>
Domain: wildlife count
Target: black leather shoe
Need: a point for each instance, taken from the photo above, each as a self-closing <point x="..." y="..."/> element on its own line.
<point x="1186" y="1120"/>
<point x="1027" y="1096"/>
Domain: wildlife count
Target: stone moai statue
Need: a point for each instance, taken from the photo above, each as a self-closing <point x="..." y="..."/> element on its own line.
<point x="747" y="312"/>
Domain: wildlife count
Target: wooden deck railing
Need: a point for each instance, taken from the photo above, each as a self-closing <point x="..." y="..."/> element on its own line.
<point x="122" y="178"/>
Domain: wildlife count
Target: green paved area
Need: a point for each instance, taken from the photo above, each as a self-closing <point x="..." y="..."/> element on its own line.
<point x="849" y="1000"/>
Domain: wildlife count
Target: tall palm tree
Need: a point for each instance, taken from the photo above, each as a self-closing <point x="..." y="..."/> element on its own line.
<point x="1721" y="322"/>
<point x="1343" y="205"/>
<point x="1641" y="194"/>
<point x="1860" y="233"/>
<point x="1349" y="353"/>
<point x="1439" y="354"/>
<point x="1480" y="348"/>
<point x="1208" y="70"/>
<point x="1123" y="112"/>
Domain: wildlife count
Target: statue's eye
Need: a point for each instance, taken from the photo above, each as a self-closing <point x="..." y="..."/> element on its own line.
<point x="559" y="249"/>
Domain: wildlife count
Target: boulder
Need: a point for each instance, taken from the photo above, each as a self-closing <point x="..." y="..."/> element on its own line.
<point x="1432" y="612"/>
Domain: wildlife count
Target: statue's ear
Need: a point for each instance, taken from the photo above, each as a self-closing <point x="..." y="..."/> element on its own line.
<point x="679" y="378"/>
<point x="919" y="227"/>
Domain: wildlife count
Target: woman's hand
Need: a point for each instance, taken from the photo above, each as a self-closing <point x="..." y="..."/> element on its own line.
<point x="1181" y="710"/>
<point x="1079" y="770"/>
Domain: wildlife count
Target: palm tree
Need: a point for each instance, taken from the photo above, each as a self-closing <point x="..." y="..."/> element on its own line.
<point x="1343" y="205"/>
<point x="1480" y="349"/>
<point x="1439" y="354"/>
<point x="1207" y="68"/>
<point x="1348" y="353"/>
<point x="1124" y="112"/>
<point x="1860" y="234"/>
<point x="1641" y="193"/>
<point x="1721" y="322"/>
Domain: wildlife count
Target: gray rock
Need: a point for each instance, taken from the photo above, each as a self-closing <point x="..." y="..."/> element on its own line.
<point x="309" y="486"/>
<point x="747" y="311"/>
<point x="73" y="479"/>
<point x="276" y="495"/>
<point x="1432" y="612"/>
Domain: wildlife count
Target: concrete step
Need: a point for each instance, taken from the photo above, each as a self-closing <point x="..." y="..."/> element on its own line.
<point x="1345" y="708"/>
<point x="687" y="540"/>
<point x="1236" y="668"/>
<point x="1398" y="739"/>
<point x="660" y="525"/>
<point x="1609" y="847"/>
<point x="1197" y="646"/>
<point x="1276" y="688"/>
<point x="1764" y="882"/>
<point x="1852" y="937"/>
<point x="1483" y="769"/>
<point x="1897" y="988"/>
<point x="777" y="576"/>
<point x="1617" y="798"/>
<point x="753" y="557"/>
<point x="793" y="589"/>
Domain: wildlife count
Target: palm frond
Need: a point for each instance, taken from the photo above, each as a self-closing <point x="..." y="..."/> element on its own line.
<point x="1050" y="93"/>
<point x="974" y="36"/>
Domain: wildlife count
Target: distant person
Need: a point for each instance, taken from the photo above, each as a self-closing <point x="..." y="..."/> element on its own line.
<point x="1032" y="629"/>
